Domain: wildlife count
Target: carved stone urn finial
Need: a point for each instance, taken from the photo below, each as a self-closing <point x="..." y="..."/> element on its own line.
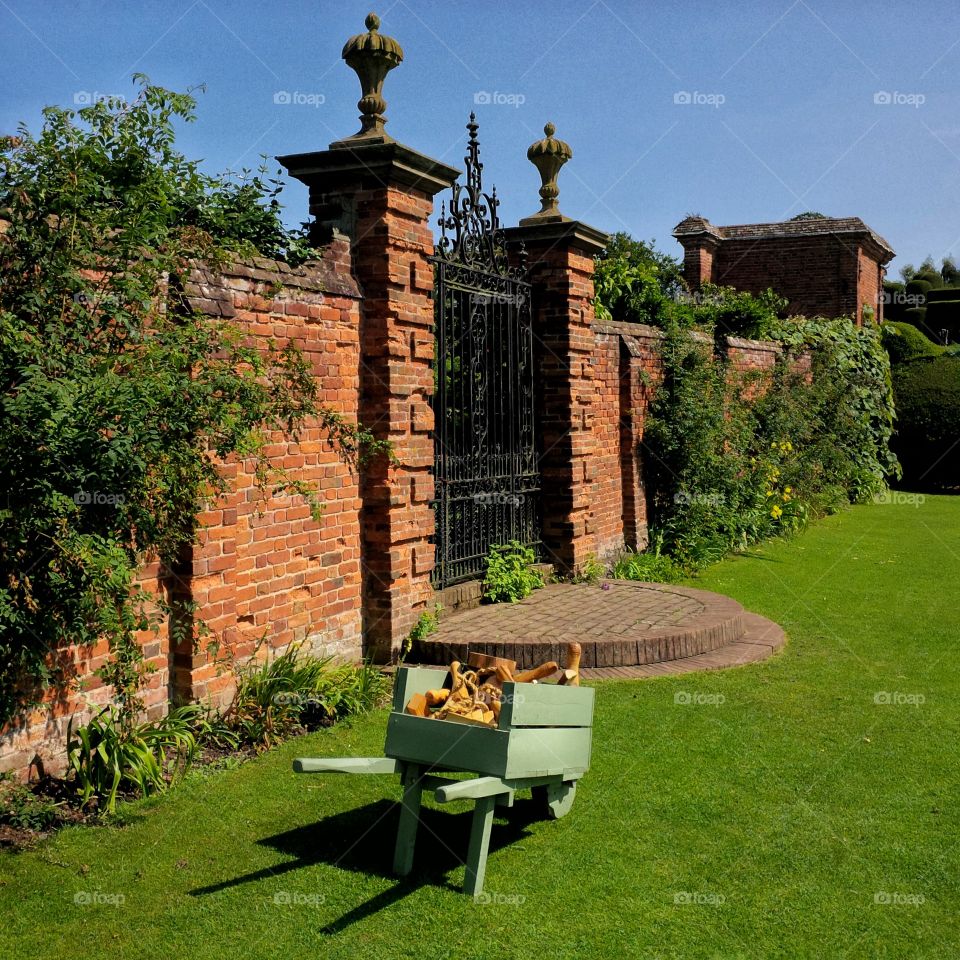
<point x="372" y="56"/>
<point x="548" y="156"/>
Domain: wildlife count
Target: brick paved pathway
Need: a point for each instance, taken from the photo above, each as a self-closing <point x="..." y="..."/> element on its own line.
<point x="625" y="629"/>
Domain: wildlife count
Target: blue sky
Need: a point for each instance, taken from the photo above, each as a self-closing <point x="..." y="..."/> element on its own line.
<point x="783" y="114"/>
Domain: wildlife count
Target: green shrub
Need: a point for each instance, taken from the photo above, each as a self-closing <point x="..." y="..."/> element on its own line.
<point x="904" y="342"/>
<point x="927" y="441"/>
<point x="727" y="464"/>
<point x="651" y="567"/>
<point x="109" y="754"/>
<point x="918" y="287"/>
<point x="296" y="690"/>
<point x="21" y="807"/>
<point x="511" y="575"/>
<point x="117" y="401"/>
<point x="591" y="570"/>
<point x="427" y="623"/>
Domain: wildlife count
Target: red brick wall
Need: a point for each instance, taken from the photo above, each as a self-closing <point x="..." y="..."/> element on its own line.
<point x="825" y="275"/>
<point x="262" y="568"/>
<point x="627" y="368"/>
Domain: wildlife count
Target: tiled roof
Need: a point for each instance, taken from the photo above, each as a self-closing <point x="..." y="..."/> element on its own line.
<point x="786" y="228"/>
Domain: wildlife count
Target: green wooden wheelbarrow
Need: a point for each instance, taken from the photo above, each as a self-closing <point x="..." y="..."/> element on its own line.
<point x="541" y="743"/>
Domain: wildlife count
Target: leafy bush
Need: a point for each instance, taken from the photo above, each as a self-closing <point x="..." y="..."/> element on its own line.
<point x="427" y="623"/>
<point x="21" y="807"/>
<point x="725" y="310"/>
<point x="904" y="342"/>
<point x="651" y="567"/>
<point x="109" y="754"/>
<point x="511" y="575"/>
<point x="116" y="401"/>
<point x="591" y="570"/>
<point x="927" y="440"/>
<point x="730" y="459"/>
<point x="635" y="282"/>
<point x="295" y="690"/>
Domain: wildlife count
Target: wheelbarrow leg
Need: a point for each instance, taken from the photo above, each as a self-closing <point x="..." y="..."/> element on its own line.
<point x="479" y="845"/>
<point x="412" y="780"/>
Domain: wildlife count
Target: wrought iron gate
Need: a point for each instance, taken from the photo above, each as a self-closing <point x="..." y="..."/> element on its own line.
<point x="486" y="469"/>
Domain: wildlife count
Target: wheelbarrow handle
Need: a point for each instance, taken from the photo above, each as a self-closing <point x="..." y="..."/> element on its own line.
<point x="345" y="765"/>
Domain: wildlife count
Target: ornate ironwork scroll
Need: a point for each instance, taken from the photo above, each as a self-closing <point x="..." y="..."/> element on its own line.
<point x="486" y="463"/>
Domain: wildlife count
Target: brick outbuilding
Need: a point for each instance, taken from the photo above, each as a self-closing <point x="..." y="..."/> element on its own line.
<point x="828" y="267"/>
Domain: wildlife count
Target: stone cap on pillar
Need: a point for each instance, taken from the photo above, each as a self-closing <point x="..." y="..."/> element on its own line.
<point x="536" y="234"/>
<point x="370" y="165"/>
<point x="335" y="176"/>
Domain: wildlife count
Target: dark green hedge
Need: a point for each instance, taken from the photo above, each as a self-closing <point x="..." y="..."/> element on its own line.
<point x="904" y="342"/>
<point x="927" y="440"/>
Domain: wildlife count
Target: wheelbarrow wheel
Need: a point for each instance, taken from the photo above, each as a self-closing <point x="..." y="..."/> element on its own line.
<point x="555" y="800"/>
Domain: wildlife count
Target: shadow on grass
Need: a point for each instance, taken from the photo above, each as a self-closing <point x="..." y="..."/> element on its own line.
<point x="362" y="840"/>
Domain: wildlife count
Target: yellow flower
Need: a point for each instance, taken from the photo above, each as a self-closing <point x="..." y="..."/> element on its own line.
<point x="776" y="511"/>
<point x="788" y="489"/>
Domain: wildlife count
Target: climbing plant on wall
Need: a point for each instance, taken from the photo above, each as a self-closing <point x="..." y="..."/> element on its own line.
<point x="116" y="402"/>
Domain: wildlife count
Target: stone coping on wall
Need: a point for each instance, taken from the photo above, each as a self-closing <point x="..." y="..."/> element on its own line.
<point x="643" y="331"/>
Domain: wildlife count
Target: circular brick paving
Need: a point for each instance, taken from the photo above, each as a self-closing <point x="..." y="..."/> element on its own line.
<point x="621" y="625"/>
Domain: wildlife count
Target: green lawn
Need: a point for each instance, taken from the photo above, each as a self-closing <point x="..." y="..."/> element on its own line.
<point x="783" y="810"/>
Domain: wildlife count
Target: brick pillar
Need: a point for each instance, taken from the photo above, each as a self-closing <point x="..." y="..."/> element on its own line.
<point x="560" y="256"/>
<point x="698" y="257"/>
<point x="381" y="196"/>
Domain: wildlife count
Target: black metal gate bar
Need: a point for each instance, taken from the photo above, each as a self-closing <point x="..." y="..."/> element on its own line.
<point x="486" y="469"/>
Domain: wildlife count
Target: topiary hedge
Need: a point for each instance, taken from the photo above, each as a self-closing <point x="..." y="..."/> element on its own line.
<point x="927" y="439"/>
<point x="904" y="342"/>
